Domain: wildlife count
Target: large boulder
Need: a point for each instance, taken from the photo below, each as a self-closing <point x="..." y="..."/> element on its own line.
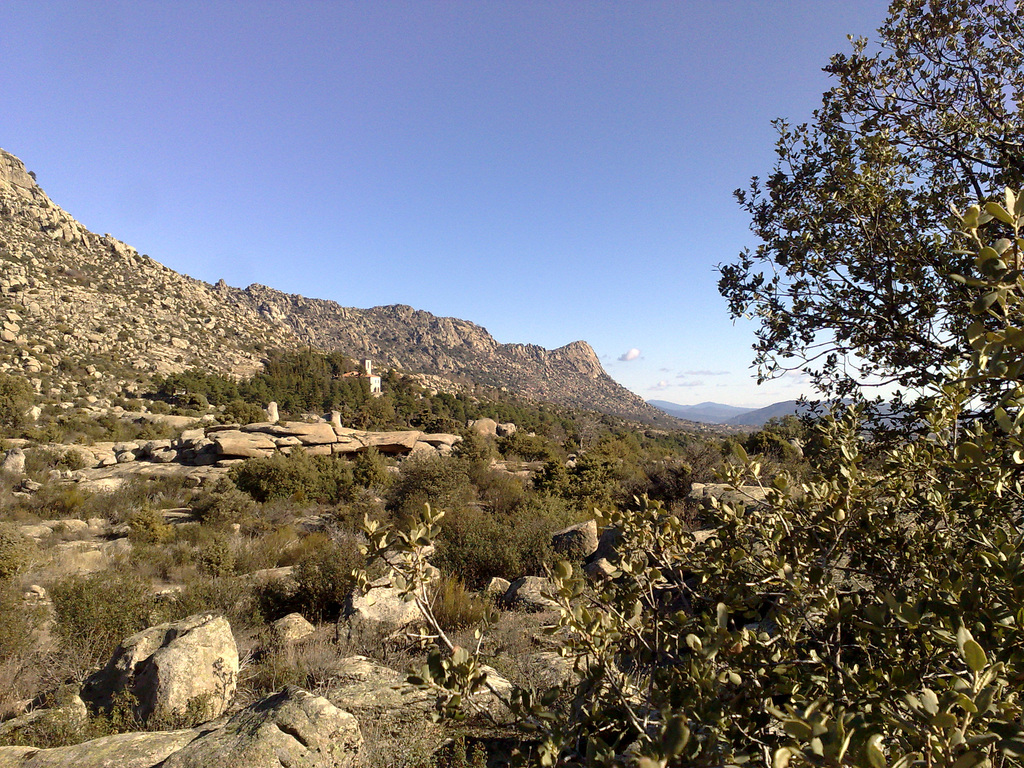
<point x="183" y="668"/>
<point x="236" y="444"/>
<point x="391" y="442"/>
<point x="291" y="629"/>
<point x="291" y="729"/>
<point x="317" y="433"/>
<point x="125" y="750"/>
<point x="577" y="541"/>
<point x="530" y="594"/>
<point x="381" y="609"/>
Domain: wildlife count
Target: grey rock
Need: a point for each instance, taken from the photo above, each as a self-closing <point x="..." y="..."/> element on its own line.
<point x="14" y="462"/>
<point x="577" y="541"/>
<point x="291" y="729"/>
<point x="529" y="594"/>
<point x="170" y="667"/>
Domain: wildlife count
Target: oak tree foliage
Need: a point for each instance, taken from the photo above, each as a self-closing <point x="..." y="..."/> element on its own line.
<point x="849" y="281"/>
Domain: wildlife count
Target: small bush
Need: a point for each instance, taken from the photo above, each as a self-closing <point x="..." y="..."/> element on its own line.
<point x="323" y="573"/>
<point x="241" y="412"/>
<point x="222" y="504"/>
<point x="216" y="557"/>
<point x="455" y="607"/>
<point x="148" y="527"/>
<point x="94" y="613"/>
<point x="299" y="476"/>
<point x="15" y="399"/>
<point x="14" y="552"/>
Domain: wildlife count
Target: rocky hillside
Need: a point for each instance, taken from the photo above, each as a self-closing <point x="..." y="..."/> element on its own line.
<point x="77" y="306"/>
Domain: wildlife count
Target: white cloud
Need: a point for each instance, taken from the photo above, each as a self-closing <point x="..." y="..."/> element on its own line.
<point x="659" y="386"/>
<point x="703" y="373"/>
<point x="633" y="354"/>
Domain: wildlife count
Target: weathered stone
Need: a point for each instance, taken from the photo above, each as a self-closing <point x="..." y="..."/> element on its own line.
<point x="484" y="427"/>
<point x="391" y="442"/>
<point x="441" y="438"/>
<point x="272" y="414"/>
<point x="125" y="750"/>
<point x="291" y="729"/>
<point x="599" y="569"/>
<point x="291" y="628"/>
<point x="242" y="445"/>
<point x="497" y="587"/>
<point x="14" y="462"/>
<point x="381" y="609"/>
<point x="319" y="433"/>
<point x="577" y="541"/>
<point x="506" y="430"/>
<point x="528" y="594"/>
<point x="172" y="667"/>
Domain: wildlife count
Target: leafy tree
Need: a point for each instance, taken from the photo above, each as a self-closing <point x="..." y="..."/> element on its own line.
<point x="849" y="281"/>
<point x="868" y="616"/>
<point x="15" y="400"/>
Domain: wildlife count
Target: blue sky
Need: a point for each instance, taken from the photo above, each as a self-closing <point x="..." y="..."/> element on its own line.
<point x="552" y="171"/>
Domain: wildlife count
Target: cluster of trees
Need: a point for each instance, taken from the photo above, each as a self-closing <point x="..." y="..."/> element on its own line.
<point x="310" y="381"/>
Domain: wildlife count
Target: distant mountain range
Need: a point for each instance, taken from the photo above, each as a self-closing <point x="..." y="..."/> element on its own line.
<point x="718" y="413"/>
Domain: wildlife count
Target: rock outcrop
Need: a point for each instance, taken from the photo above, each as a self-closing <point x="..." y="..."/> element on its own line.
<point x="182" y="668"/>
<point x="290" y="729"/>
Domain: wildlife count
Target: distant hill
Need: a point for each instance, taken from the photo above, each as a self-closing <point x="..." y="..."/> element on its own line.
<point x="757" y="418"/>
<point x="706" y="413"/>
<point x="78" y="308"/>
<point x="732" y="415"/>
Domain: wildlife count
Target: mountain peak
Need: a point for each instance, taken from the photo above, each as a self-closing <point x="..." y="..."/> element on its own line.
<point x="14" y="177"/>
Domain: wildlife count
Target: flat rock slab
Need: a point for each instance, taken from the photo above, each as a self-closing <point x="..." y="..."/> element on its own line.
<point x="291" y="729"/>
<point x="125" y="750"/>
<point x="242" y="445"/>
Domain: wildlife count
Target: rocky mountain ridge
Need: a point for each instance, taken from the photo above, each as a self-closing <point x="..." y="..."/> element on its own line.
<point x="77" y="306"/>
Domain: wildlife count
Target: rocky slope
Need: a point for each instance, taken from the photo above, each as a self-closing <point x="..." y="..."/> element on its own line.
<point x="75" y="305"/>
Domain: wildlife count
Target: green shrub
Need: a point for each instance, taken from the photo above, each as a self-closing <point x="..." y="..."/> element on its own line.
<point x="369" y="469"/>
<point x="216" y="556"/>
<point x="93" y="613"/>
<point x="16" y="398"/>
<point x="241" y="412"/>
<point x="443" y="482"/>
<point x="222" y="504"/>
<point x="14" y="552"/>
<point x="298" y="476"/>
<point x="323" y="572"/>
<point x="18" y="620"/>
<point x="478" y="545"/>
<point x="147" y="526"/>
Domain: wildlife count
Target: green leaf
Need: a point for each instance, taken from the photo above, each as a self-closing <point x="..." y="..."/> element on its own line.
<point x="974" y="656"/>
<point x="929" y="701"/>
<point x="970" y="452"/>
<point x="873" y="751"/>
<point x="997" y="211"/>
<point x="676" y="736"/>
<point x="723" y="615"/>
